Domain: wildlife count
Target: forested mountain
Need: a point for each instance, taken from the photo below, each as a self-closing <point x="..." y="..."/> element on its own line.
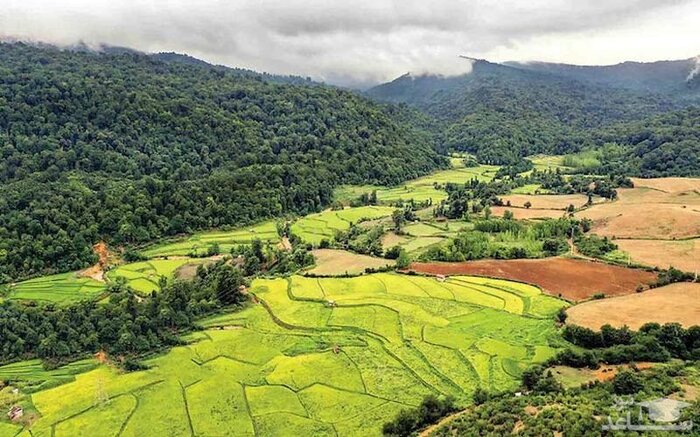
<point x="665" y="145"/>
<point x="500" y="113"/>
<point x="679" y="79"/>
<point x="128" y="148"/>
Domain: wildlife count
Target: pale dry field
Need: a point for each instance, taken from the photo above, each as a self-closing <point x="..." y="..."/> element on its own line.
<point x="527" y="214"/>
<point x="673" y="303"/>
<point x="681" y="254"/>
<point x="546" y="201"/>
<point x="338" y="262"/>
<point x="647" y="213"/>
<point x="670" y="185"/>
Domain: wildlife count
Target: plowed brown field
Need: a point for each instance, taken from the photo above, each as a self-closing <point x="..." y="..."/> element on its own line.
<point x="572" y="279"/>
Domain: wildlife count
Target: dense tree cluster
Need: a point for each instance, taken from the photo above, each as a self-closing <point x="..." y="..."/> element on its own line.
<point x="665" y="145"/>
<point x="125" y="325"/>
<point x="653" y="342"/>
<point x="430" y="410"/>
<point x="502" y="238"/>
<point x="594" y="246"/>
<point x="129" y="148"/>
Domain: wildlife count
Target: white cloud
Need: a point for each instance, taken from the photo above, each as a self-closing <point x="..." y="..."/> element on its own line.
<point x="367" y="41"/>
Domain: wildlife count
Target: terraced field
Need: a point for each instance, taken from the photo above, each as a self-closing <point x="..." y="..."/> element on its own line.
<point x="317" y="357"/>
<point x="63" y="289"/>
<point x="316" y="227"/>
<point x="199" y="243"/>
<point x="143" y="276"/>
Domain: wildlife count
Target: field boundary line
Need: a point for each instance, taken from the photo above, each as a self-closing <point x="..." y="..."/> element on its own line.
<point x="436" y="372"/>
<point x="187" y="407"/>
<point x="128" y="416"/>
<point x="372" y="395"/>
<point x="359" y="372"/>
<point x="248" y="409"/>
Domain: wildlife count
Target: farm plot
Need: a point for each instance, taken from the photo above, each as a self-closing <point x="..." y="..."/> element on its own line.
<point x="570" y="278"/>
<point x="32" y="376"/>
<point x="63" y="289"/>
<point x="336" y="262"/>
<point x="542" y="206"/>
<point x="681" y="254"/>
<point x="423" y="188"/>
<point x="318" y="357"/>
<point x="647" y="213"/>
<point x="198" y="244"/>
<point x="420" y="236"/>
<point x="678" y="302"/>
<point x="316" y="227"/>
<point x="144" y="276"/>
<point x="527" y="214"/>
<point x="545" y="201"/>
<point x="669" y="185"/>
<point x="549" y="162"/>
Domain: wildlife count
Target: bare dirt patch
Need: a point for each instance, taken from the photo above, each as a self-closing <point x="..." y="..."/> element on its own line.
<point x="105" y="258"/>
<point x="673" y="303"/>
<point x="338" y="262"/>
<point x="390" y="239"/>
<point x="572" y="279"/>
<point x="187" y="272"/>
<point x="681" y="254"/>
<point x="285" y="244"/>
<point x="546" y="201"/>
<point x="527" y="214"/>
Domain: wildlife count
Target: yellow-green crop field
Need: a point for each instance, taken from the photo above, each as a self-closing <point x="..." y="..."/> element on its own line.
<point x="144" y="276"/>
<point x="423" y="188"/>
<point x="64" y="288"/>
<point x="198" y="244"/>
<point x="319" y="357"/>
<point x="316" y="227"/>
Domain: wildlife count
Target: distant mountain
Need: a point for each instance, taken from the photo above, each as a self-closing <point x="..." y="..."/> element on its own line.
<point x="500" y="112"/>
<point x="676" y="78"/>
<point x="179" y="58"/>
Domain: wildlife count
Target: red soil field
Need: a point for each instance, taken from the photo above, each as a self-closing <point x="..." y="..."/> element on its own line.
<point x="572" y="279"/>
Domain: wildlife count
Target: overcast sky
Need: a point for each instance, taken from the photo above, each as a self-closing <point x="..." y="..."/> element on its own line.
<point x="362" y="42"/>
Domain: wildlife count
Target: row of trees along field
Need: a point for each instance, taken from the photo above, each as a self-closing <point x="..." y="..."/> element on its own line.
<point x="129" y="148"/>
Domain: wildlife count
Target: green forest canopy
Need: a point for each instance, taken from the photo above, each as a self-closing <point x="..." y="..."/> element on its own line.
<point x="129" y="148"/>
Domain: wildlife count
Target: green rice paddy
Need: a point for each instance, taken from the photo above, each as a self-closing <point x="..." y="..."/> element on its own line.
<point x="316" y="227"/>
<point x="62" y="289"/>
<point x="199" y="243"/>
<point x="325" y="356"/>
